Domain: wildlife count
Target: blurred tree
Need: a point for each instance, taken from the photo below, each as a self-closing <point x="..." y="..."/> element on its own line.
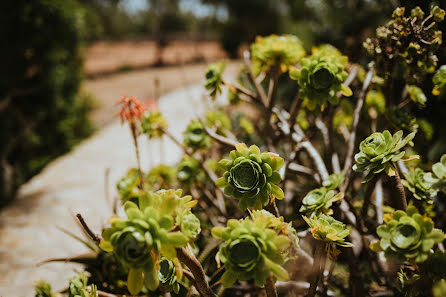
<point x="41" y="113"/>
<point x="246" y="20"/>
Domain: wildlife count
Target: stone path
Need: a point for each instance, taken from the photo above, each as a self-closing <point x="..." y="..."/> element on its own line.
<point x="75" y="183"/>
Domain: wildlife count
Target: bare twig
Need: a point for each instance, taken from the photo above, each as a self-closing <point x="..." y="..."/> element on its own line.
<point x="400" y="201"/>
<point x="270" y="287"/>
<point x="379" y="199"/>
<point x="87" y="229"/>
<point x="259" y="88"/>
<point x="351" y="142"/>
<point x="219" y="138"/>
<point x="195" y="267"/>
<point x="315" y="270"/>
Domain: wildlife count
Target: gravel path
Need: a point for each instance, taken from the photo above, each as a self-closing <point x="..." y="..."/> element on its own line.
<point x="75" y="183"/>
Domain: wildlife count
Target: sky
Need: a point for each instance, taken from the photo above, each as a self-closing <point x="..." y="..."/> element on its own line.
<point x="195" y="6"/>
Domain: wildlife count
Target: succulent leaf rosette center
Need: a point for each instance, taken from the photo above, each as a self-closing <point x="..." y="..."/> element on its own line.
<point x="132" y="246"/>
<point x="406" y="234"/>
<point x="245" y="175"/>
<point x="321" y="78"/>
<point x="244" y="252"/>
<point x="251" y="176"/>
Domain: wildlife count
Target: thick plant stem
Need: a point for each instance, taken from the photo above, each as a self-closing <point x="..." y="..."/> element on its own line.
<point x="195" y="267"/>
<point x="138" y="160"/>
<point x="399" y="202"/>
<point x="316" y="269"/>
<point x="270" y="287"/>
<point x="421" y="267"/>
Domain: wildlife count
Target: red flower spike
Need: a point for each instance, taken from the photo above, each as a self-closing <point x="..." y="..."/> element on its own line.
<point x="130" y="109"/>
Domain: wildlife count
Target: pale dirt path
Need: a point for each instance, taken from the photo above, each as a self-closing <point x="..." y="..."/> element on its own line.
<point x="141" y="83"/>
<point x="75" y="183"/>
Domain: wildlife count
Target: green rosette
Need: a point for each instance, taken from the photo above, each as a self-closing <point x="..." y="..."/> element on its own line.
<point x="251" y="176"/>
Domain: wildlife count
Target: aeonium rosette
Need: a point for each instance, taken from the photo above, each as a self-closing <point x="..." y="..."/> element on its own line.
<point x="407" y="236"/>
<point x="254" y="248"/>
<point x="320" y="78"/>
<point x="420" y="187"/>
<point x="276" y="51"/>
<point x="154" y="228"/>
<point x="378" y="151"/>
<point x="195" y="136"/>
<point x="319" y="201"/>
<point x="438" y="176"/>
<point x="213" y="78"/>
<point x="153" y="124"/>
<point x="251" y="176"/>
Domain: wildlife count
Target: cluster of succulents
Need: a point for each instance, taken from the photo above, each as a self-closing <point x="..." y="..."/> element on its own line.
<point x="407" y="236"/>
<point x="276" y="51"/>
<point x="78" y="287"/>
<point x="438" y="176"/>
<point x="153" y="124"/>
<point x="219" y="121"/>
<point x="401" y="119"/>
<point x="328" y="230"/>
<point x="420" y="187"/>
<point x="378" y="151"/>
<point x="319" y="201"/>
<point x="149" y="232"/>
<point x="195" y="136"/>
<point x="320" y="79"/>
<point x="439" y="81"/>
<point x="254" y="248"/>
<point x="188" y="170"/>
<point x="167" y="276"/>
<point x="213" y="78"/>
<point x="405" y="47"/>
<point x="251" y="176"/>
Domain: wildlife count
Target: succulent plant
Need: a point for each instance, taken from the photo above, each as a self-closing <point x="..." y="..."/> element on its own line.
<point x="153" y="124"/>
<point x="416" y="183"/>
<point x="438" y="176"/>
<point x="219" y="121"/>
<point x="329" y="50"/>
<point x="321" y="78"/>
<point x="333" y="181"/>
<point x="128" y="186"/>
<point x="43" y="289"/>
<point x="253" y="248"/>
<point x="439" y="81"/>
<point x="436" y="265"/>
<point x="407" y="236"/>
<point x="417" y="95"/>
<point x="213" y="78"/>
<point x="375" y="102"/>
<point x="329" y="230"/>
<point x="251" y="176"/>
<point x="378" y="151"/>
<point x="319" y="201"/>
<point x="439" y="288"/>
<point x="282" y="51"/>
<point x="147" y="232"/>
<point x="195" y="136"/>
<point x="405" y="47"/>
<point x="401" y="119"/>
<point x="188" y="170"/>
<point x="168" y="276"/>
<point x="160" y="177"/>
<point x="78" y="287"/>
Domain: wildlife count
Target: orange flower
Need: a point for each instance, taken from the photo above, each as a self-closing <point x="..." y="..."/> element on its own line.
<point x="130" y="109"/>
